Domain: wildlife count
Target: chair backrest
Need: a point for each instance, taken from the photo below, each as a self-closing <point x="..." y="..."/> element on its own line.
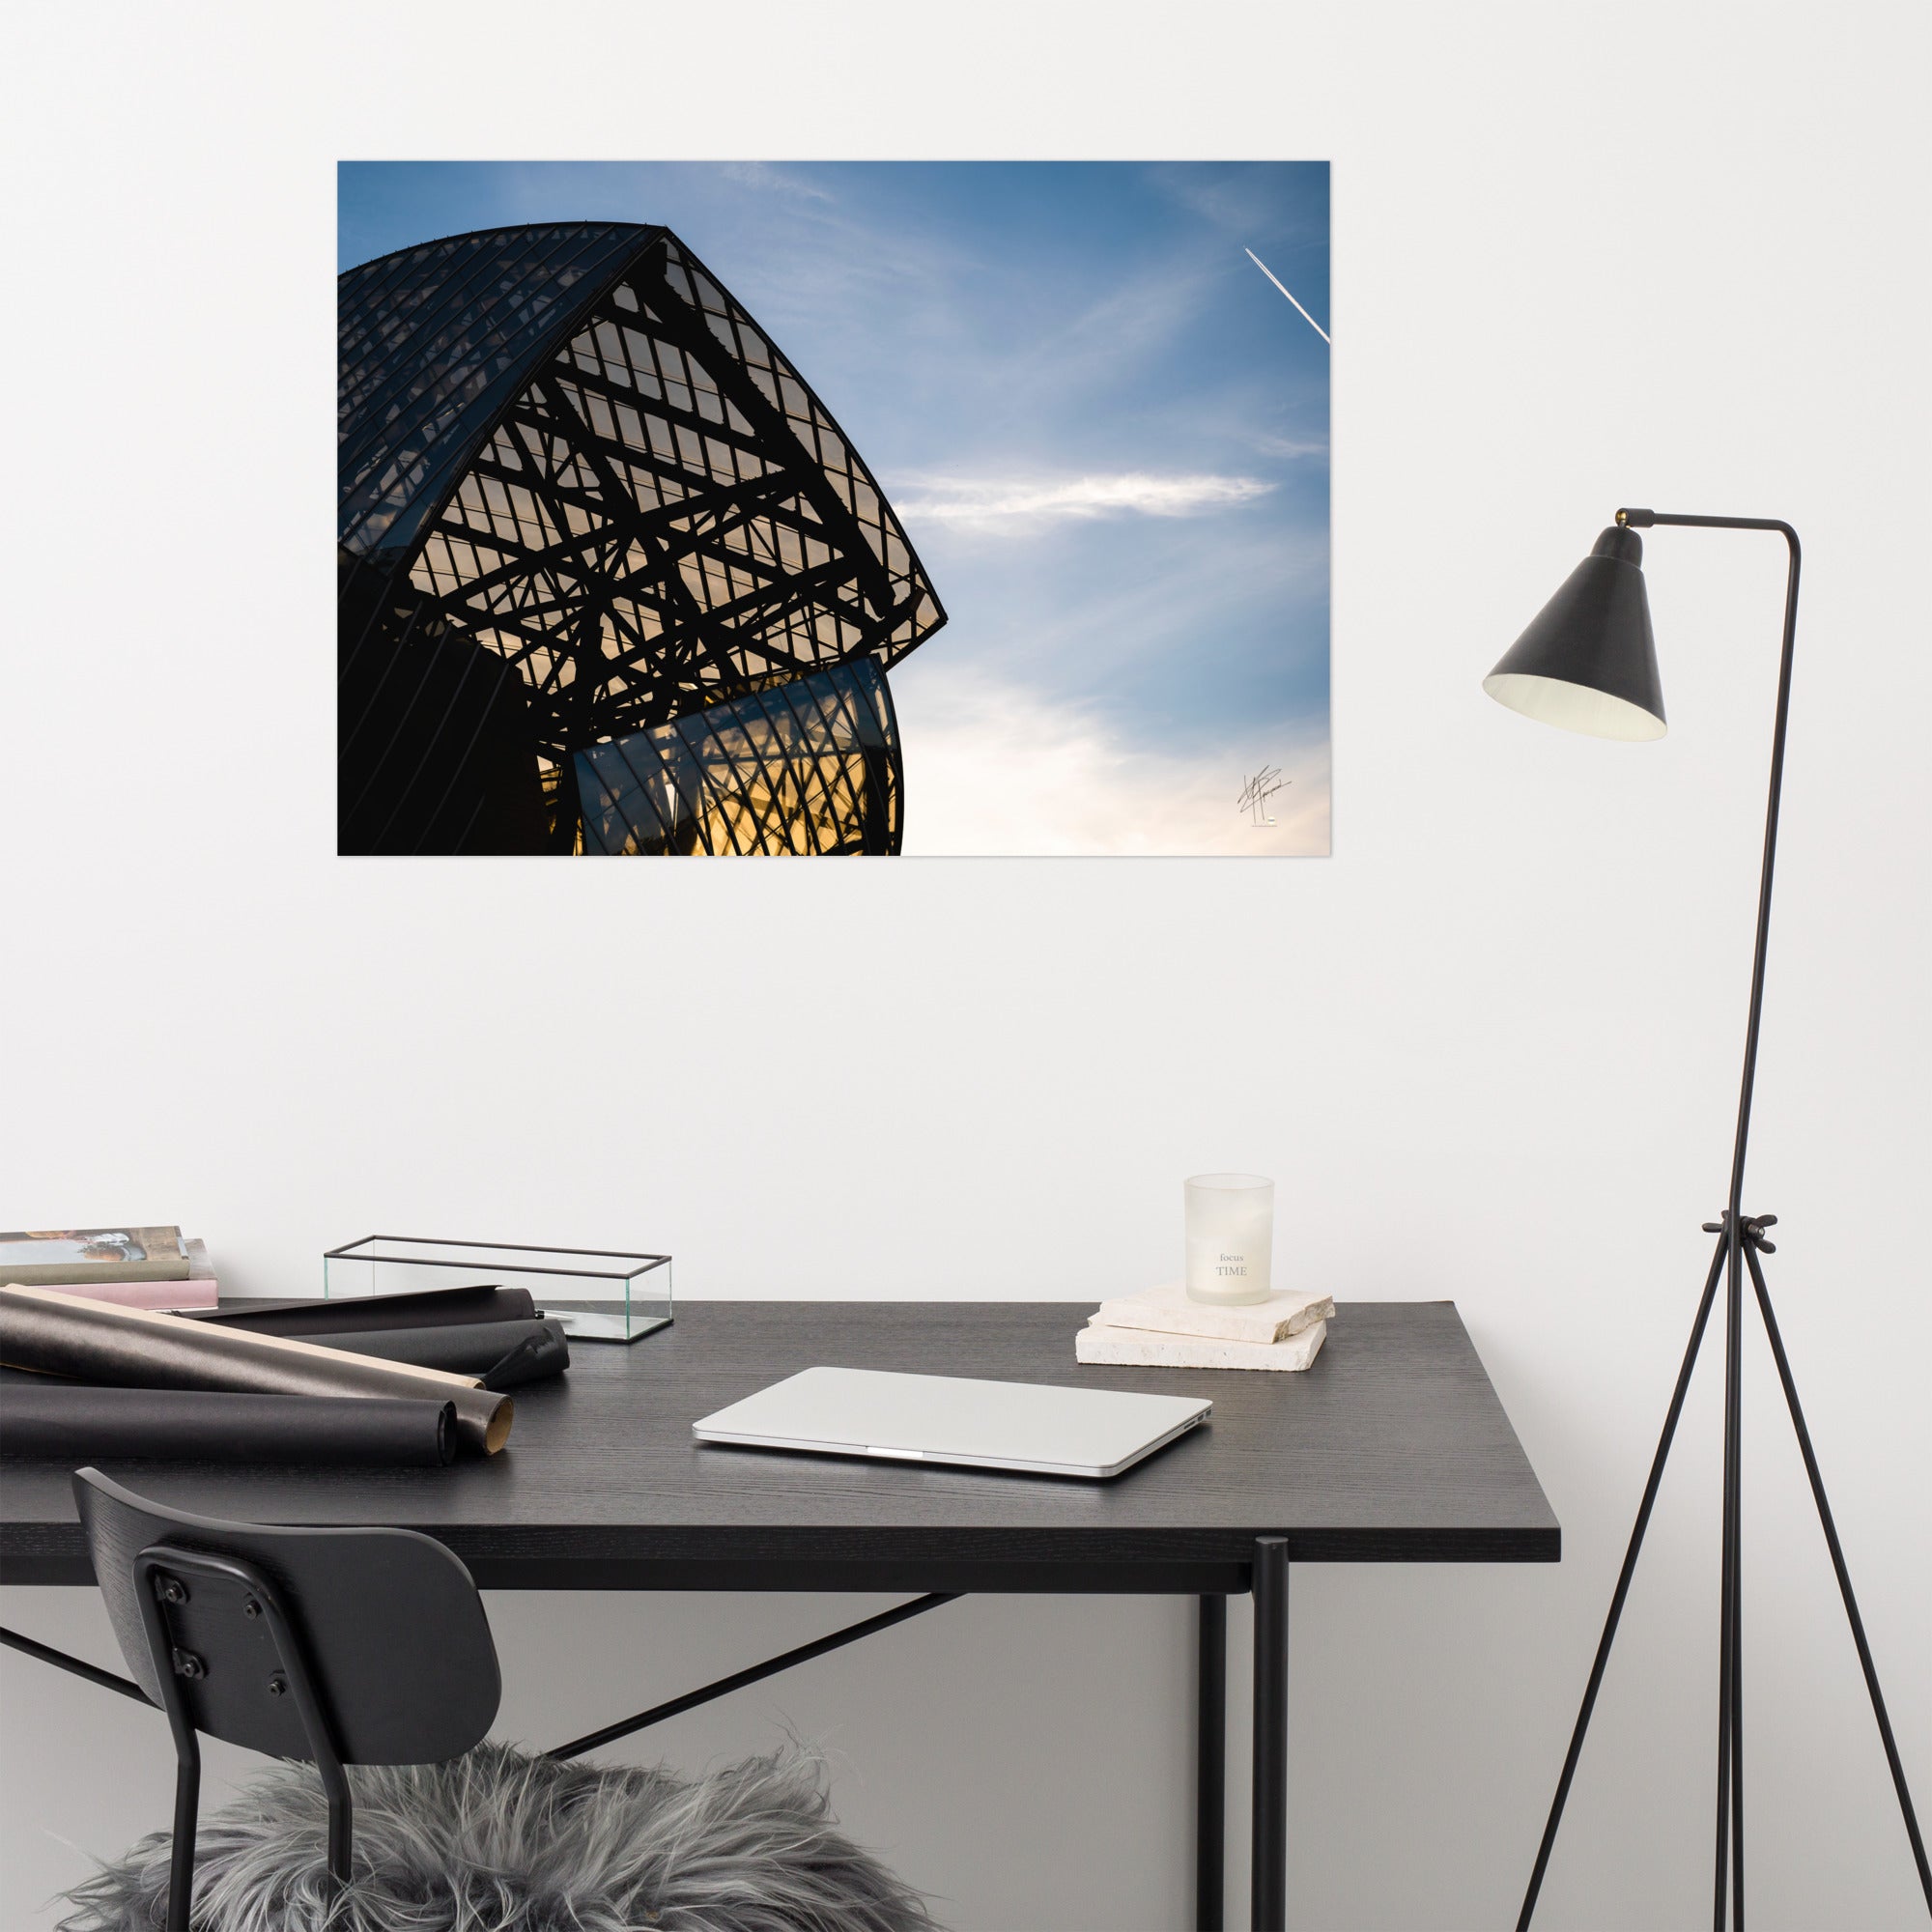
<point x="390" y="1630"/>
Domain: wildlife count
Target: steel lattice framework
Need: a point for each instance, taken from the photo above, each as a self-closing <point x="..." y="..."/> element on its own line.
<point x="568" y="450"/>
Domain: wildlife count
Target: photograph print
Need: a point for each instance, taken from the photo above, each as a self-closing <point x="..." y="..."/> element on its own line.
<point x="973" y="509"/>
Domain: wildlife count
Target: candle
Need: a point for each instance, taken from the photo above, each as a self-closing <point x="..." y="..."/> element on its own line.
<point x="1230" y="1236"/>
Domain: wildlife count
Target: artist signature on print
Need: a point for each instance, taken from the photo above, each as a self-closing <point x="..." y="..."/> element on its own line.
<point x="1256" y="794"/>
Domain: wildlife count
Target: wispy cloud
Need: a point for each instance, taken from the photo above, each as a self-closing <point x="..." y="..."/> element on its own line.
<point x="1291" y="448"/>
<point x="776" y="180"/>
<point x="1237" y="199"/>
<point x="1134" y="493"/>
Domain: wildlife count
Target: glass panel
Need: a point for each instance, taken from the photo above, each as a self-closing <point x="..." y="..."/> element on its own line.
<point x="808" y="766"/>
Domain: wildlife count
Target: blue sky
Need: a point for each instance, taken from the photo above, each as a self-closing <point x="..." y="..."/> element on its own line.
<point x="1104" y="431"/>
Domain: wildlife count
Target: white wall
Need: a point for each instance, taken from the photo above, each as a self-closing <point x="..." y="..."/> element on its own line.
<point x="1670" y="255"/>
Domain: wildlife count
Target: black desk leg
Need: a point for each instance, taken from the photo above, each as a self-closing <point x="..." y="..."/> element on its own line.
<point x="1210" y="1766"/>
<point x="1269" y="1892"/>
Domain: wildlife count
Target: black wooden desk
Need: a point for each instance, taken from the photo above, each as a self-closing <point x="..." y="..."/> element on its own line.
<point x="1391" y="1448"/>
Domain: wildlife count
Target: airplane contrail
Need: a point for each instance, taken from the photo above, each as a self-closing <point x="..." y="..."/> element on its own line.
<point x="1298" y="309"/>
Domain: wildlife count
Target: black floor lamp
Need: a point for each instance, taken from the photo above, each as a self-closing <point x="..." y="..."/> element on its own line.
<point x="1588" y="662"/>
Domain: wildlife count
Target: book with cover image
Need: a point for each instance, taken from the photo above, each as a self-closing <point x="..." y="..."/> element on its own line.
<point x="61" y="1255"/>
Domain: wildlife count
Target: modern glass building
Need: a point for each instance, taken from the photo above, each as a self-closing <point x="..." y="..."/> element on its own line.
<point x="610" y="577"/>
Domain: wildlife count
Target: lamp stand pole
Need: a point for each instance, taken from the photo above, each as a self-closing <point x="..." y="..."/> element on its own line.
<point x="1740" y="1241"/>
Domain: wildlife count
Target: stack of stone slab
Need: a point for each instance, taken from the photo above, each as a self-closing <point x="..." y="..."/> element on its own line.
<point x="1162" y="1328"/>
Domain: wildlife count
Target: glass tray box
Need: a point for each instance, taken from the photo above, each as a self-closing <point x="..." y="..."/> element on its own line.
<point x="598" y="1297"/>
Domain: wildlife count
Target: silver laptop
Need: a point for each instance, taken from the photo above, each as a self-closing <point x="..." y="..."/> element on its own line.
<point x="1045" y="1432"/>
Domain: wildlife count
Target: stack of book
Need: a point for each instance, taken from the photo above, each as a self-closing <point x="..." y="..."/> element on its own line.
<point x="132" y="1268"/>
<point x="1162" y="1328"/>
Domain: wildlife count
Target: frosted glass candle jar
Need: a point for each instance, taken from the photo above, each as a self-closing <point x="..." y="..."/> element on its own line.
<point x="1230" y="1236"/>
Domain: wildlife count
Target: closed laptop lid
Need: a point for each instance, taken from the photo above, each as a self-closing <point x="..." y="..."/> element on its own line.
<point x="954" y="1419"/>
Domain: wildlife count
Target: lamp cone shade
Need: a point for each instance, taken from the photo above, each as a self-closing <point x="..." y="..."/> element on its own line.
<point x="1588" y="662"/>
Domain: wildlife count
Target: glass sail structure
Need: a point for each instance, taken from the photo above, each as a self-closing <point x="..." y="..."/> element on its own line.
<point x="809" y="767"/>
<point x="597" y="535"/>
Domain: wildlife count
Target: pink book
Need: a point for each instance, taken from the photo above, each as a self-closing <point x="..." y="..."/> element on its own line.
<point x="160" y="1294"/>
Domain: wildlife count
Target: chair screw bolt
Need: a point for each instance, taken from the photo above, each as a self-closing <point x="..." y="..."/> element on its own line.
<point x="250" y="1607"/>
<point x="278" y="1684"/>
<point x="188" y="1664"/>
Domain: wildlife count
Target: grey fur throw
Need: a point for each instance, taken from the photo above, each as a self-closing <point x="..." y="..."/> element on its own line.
<point x="495" y="1841"/>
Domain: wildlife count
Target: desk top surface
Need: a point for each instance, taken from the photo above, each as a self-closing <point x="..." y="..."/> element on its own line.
<point x="1392" y="1447"/>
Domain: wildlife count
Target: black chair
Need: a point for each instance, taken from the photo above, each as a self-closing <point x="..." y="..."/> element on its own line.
<point x="370" y="1647"/>
<point x="330" y="1646"/>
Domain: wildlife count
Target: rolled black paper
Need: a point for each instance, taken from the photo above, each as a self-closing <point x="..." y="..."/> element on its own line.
<point x="138" y="1347"/>
<point x="524" y="1363"/>
<point x="71" y="1423"/>
<point x="363" y="1313"/>
<point x="466" y="1347"/>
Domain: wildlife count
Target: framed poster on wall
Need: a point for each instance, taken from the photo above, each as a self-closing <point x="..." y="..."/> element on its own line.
<point x="899" y="508"/>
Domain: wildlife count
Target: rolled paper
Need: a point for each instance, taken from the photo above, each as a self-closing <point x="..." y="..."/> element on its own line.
<point x="524" y="1363"/>
<point x="363" y="1313"/>
<point x="70" y="1423"/>
<point x="135" y="1348"/>
<point x="467" y="1348"/>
